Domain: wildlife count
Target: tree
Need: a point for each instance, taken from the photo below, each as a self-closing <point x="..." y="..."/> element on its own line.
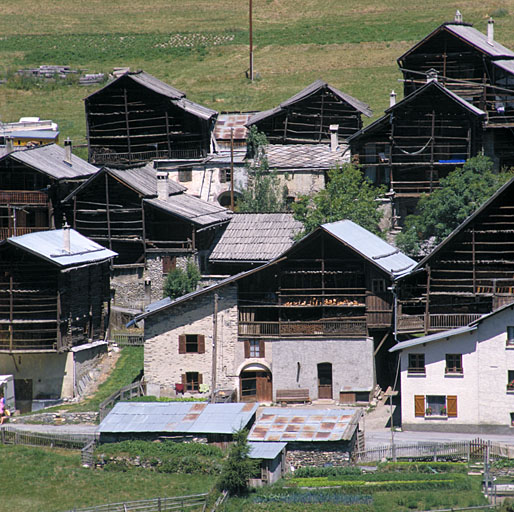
<point x="459" y="195"/>
<point x="347" y="195"/>
<point x="238" y="468"/>
<point x="181" y="281"/>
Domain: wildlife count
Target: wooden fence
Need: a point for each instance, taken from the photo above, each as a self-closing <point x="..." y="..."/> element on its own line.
<point x="192" y="502"/>
<point x="132" y="390"/>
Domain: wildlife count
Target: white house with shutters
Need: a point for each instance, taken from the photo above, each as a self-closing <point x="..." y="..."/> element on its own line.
<point x="460" y="380"/>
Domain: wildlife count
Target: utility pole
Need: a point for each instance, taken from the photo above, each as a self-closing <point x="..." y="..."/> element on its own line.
<point x="214" y="348"/>
<point x="393" y="392"/>
<point x="232" y="169"/>
<point x="251" y="42"/>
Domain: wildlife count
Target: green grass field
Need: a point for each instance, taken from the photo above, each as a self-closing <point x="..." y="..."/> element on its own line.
<point x="201" y="47"/>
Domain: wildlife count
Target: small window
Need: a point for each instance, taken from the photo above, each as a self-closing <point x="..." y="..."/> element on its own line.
<point x="254" y="348"/>
<point x="510" y="335"/>
<point x="512" y="419"/>
<point x="436" y="405"/>
<point x="378" y="286"/>
<point x="185" y="174"/>
<point x="510" y="380"/>
<point x="193" y="381"/>
<point x="453" y="363"/>
<point x="224" y="175"/>
<point x="191" y="344"/>
<point x="416" y="363"/>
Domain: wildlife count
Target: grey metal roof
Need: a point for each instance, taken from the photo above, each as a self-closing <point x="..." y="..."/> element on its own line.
<point x="308" y="425"/>
<point x="50" y="246"/>
<point x="378" y="251"/>
<point x="35" y="134"/>
<point x="479" y="40"/>
<point x="193" y="209"/>
<point x="506" y="65"/>
<point x="305" y="93"/>
<point x="180" y="417"/>
<point x="50" y="160"/>
<point x="256" y="237"/>
<point x="228" y="120"/>
<point x="268" y="451"/>
<point x="305" y="156"/>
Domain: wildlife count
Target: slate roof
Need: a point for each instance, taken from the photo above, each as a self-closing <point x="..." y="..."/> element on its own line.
<point x="179" y="417"/>
<point x="305" y="425"/>
<point x="305" y="156"/>
<point x="370" y="246"/>
<point x="256" y="237"/>
<point x="267" y="451"/>
<point x="49" y="245"/>
<point x="50" y="160"/>
<point x="228" y="120"/>
<point x="305" y="93"/>
<point x="193" y="209"/>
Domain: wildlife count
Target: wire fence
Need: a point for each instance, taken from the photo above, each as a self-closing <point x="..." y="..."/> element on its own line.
<point x="10" y="435"/>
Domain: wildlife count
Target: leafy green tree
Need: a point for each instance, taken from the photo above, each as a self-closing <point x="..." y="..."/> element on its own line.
<point x="459" y="195"/>
<point x="347" y="195"/>
<point x="181" y="281"/>
<point x="237" y="468"/>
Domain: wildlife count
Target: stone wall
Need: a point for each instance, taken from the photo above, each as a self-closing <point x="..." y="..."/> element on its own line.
<point x="86" y="358"/>
<point x="317" y="454"/>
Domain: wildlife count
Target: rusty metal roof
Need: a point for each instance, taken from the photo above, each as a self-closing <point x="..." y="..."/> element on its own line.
<point x="228" y="120"/>
<point x="306" y="425"/>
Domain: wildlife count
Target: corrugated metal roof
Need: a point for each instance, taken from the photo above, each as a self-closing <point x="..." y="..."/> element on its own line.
<point x="193" y="209"/>
<point x="50" y="160"/>
<point x="179" y="417"/>
<point x="235" y="120"/>
<point x="256" y="237"/>
<point x="305" y="93"/>
<point x="305" y="156"/>
<point x="431" y="337"/>
<point x="268" y="451"/>
<point x="307" y="425"/>
<point x="479" y="40"/>
<point x="378" y="251"/>
<point x="50" y="246"/>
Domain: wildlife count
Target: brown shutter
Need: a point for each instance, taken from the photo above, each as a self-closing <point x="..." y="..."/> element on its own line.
<point x="419" y="405"/>
<point x="261" y="348"/>
<point x="247" y="348"/>
<point x="201" y="344"/>
<point x="184" y="381"/>
<point x="182" y="344"/>
<point x="168" y="263"/>
<point x="200" y="379"/>
<point x="451" y="406"/>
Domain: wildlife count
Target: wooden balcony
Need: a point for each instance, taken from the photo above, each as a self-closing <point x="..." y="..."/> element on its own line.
<point x="435" y="322"/>
<point x="145" y="156"/>
<point x="8" y="232"/>
<point x="23" y="197"/>
<point x="339" y="328"/>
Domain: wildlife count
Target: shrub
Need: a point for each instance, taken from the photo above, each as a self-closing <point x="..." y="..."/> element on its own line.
<point x="181" y="281"/>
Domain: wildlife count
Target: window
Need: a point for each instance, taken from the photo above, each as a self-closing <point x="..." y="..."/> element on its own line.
<point x="191" y="344"/>
<point x="254" y="348"/>
<point x="510" y="335"/>
<point x="185" y="174"/>
<point x="416" y="363"/>
<point x="435" y="405"/>
<point x="378" y="285"/>
<point x="192" y="381"/>
<point x="453" y="363"/>
<point x="224" y="175"/>
<point x="510" y="380"/>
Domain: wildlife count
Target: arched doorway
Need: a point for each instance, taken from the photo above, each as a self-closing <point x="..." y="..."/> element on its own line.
<point x="255" y="384"/>
<point x="325" y="380"/>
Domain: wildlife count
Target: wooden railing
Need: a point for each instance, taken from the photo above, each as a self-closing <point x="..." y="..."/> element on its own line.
<point x="145" y="156"/>
<point x="436" y="322"/>
<point x="132" y="390"/>
<point x="23" y="197"/>
<point x="7" y="232"/>
<point x="345" y="327"/>
<point x="135" y="337"/>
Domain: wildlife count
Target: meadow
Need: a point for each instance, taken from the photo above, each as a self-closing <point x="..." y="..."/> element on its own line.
<point x="201" y="47"/>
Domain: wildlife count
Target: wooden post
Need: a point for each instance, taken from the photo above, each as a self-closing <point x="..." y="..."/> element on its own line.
<point x="474" y="260"/>
<point x="321" y="118"/>
<point x="127" y="124"/>
<point x="11" y="312"/>
<point x="107" y="210"/>
<point x="214" y="348"/>
<point x="75" y="212"/>
<point x="232" y="169"/>
<point x="427" y="304"/>
<point x="251" y="40"/>
<point x="144" y="229"/>
<point x="58" y="320"/>
<point x="168" y="134"/>
<point x="432" y="151"/>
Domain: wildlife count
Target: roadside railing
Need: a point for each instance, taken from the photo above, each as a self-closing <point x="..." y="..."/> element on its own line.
<point x="125" y="393"/>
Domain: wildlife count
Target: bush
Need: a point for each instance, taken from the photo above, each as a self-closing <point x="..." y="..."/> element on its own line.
<point x="181" y="281"/>
<point x="423" y="467"/>
<point x="312" y="471"/>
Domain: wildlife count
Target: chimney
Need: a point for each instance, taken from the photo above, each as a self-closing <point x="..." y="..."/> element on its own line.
<point x="67" y="151"/>
<point x="162" y="186"/>
<point x="392" y="99"/>
<point x="334" y="139"/>
<point x="490" y="31"/>
<point x="9" y="146"/>
<point x="431" y="75"/>
<point x="458" y="16"/>
<point x="66" y="238"/>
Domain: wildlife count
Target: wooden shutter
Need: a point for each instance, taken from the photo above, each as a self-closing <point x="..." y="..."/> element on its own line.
<point x="419" y="405"/>
<point x="168" y="263"/>
<point x="247" y="348"/>
<point x="184" y="381"/>
<point x="261" y="348"/>
<point x="451" y="406"/>
<point x="182" y="344"/>
<point x="200" y="379"/>
<point x="201" y="344"/>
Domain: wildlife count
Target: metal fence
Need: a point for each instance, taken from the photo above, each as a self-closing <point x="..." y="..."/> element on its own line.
<point x="11" y="435"/>
<point x="192" y="502"/>
<point x="134" y="337"/>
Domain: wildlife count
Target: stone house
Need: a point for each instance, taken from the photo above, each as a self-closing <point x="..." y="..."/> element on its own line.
<point x="460" y="380"/>
<point x="311" y="319"/>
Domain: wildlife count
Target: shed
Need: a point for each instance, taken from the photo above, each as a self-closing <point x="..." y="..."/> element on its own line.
<point x="273" y="462"/>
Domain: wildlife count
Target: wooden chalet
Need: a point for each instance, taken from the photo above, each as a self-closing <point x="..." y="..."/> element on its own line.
<point x="32" y="183"/>
<point x="137" y="118"/>
<point x="418" y="141"/>
<point x="475" y="67"/>
<point x="54" y="287"/>
<point x="469" y="274"/>
<point x="305" y="118"/>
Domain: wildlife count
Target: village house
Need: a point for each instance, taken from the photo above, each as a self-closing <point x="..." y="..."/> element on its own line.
<point x="32" y="183"/>
<point x="309" y="321"/>
<point x="150" y="222"/>
<point x="460" y="380"/>
<point x="306" y="117"/>
<point x="469" y="274"/>
<point x="138" y="118"/>
<point x="54" y="311"/>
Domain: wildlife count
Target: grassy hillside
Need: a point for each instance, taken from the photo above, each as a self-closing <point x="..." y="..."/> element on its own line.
<point x="201" y="47"/>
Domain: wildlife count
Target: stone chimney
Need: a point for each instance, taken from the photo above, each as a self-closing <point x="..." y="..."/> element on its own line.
<point x="66" y="238"/>
<point x="67" y="151"/>
<point x="162" y="186"/>
<point x="392" y="99"/>
<point x="458" y="16"/>
<point x="9" y="146"/>
<point x="490" y="31"/>
<point x="334" y="137"/>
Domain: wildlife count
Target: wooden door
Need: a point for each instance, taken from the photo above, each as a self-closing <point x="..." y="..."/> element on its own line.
<point x="325" y="380"/>
<point x="264" y="387"/>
